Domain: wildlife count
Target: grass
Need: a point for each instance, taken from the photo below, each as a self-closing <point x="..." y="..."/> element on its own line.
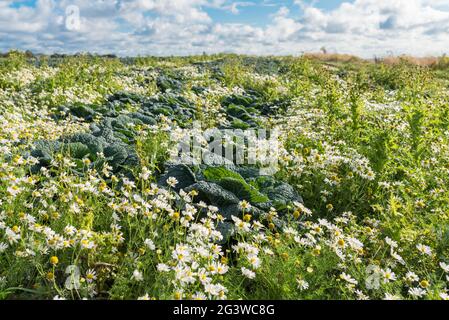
<point x="365" y="144"/>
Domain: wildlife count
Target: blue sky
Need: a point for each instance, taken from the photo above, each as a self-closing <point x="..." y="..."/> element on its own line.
<point x="255" y="12"/>
<point x="29" y="3"/>
<point x="181" y="27"/>
<point x="261" y="4"/>
<point x="258" y="12"/>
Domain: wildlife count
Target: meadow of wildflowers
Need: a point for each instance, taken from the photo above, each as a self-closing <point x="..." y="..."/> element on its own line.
<point x="92" y="208"/>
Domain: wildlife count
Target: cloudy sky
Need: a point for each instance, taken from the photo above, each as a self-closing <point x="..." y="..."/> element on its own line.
<point x="181" y="27"/>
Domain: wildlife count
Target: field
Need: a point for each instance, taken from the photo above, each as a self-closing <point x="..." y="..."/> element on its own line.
<point x="92" y="205"/>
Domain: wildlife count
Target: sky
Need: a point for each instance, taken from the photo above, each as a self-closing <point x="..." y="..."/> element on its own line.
<point x="366" y="28"/>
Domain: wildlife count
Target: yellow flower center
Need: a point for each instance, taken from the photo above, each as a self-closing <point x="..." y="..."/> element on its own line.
<point x="54" y="260"/>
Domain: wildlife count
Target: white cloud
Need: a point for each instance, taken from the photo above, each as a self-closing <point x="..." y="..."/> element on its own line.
<point x="369" y="27"/>
<point x="132" y="27"/>
<point x="234" y="7"/>
<point x="282" y="26"/>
